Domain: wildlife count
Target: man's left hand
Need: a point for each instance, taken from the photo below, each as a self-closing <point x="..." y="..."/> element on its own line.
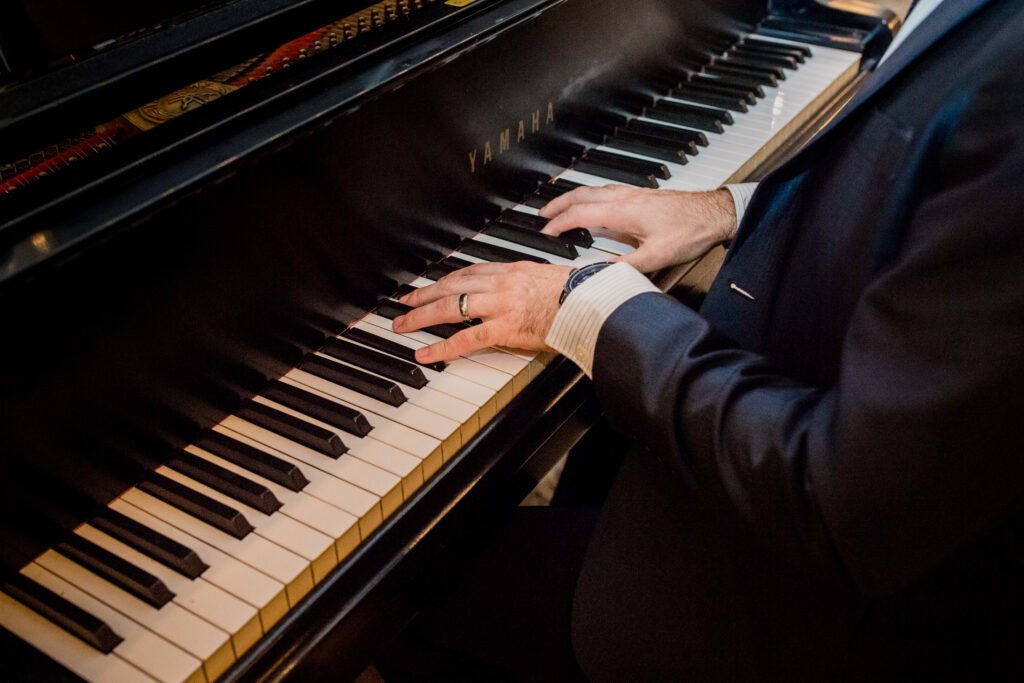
<point x="516" y="302"/>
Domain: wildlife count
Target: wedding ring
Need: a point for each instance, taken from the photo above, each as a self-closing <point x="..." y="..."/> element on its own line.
<point x="464" y="308"/>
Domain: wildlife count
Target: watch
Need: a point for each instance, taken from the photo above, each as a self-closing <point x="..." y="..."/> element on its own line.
<point x="579" y="275"/>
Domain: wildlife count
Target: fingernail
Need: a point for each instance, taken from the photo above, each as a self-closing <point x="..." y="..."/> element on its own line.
<point x="423" y="355"/>
<point x="396" y="324"/>
<point x="403" y="299"/>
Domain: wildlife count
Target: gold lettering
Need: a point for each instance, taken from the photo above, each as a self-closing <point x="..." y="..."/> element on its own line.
<point x="503" y="144"/>
<point x="472" y="161"/>
<point x="551" y="114"/>
<point x="521" y="132"/>
<point x="535" y="121"/>
<point x="487" y="153"/>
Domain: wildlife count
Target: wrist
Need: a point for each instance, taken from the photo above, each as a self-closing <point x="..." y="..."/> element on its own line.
<point x="724" y="209"/>
<point x="577" y="276"/>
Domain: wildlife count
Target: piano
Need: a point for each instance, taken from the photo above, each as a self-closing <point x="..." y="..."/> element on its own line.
<point x="220" y="463"/>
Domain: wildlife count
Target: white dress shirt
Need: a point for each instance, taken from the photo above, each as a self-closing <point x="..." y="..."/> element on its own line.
<point x="578" y="322"/>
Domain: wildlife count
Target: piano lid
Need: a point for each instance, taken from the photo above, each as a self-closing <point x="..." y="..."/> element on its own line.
<point x="55" y="79"/>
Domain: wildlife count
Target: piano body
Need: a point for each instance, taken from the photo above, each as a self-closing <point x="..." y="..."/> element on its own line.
<point x="172" y="299"/>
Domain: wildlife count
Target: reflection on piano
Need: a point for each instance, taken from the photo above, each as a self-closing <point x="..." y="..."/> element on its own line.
<point x="221" y="463"/>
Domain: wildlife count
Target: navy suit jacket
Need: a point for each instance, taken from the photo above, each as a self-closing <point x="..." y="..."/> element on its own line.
<point x="832" y="474"/>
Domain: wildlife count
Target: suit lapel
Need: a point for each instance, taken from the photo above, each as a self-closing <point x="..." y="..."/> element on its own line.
<point x="946" y="16"/>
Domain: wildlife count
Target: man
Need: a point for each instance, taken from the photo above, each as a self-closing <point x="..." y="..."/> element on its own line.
<point x="830" y="470"/>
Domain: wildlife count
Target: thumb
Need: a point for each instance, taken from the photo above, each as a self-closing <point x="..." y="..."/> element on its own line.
<point x="638" y="259"/>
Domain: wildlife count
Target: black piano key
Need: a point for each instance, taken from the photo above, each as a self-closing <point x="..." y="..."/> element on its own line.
<point x="794" y="57"/>
<point x="244" y="490"/>
<point x="741" y="75"/>
<point x="629" y="163"/>
<point x="548" y="191"/>
<point x="634" y="101"/>
<point x="116" y="570"/>
<point x="63" y="613"/>
<point x="381" y="363"/>
<point x="661" y="79"/>
<point x="388" y="346"/>
<point x="491" y="252"/>
<point x="747" y="95"/>
<point x="166" y="551"/>
<point x="597" y="121"/>
<point x="214" y="513"/>
<point x="391" y="309"/>
<point x="446" y="266"/>
<point x="253" y="459"/>
<point x="306" y="433"/>
<point x="758" y="65"/>
<point x="454" y="263"/>
<point x="435" y="272"/>
<point x="616" y="173"/>
<point x="325" y="410"/>
<point x="739" y="85"/>
<point x="772" y="45"/>
<point x="701" y="118"/>
<point x="404" y="290"/>
<point x="381" y="389"/>
<point x="521" y="220"/>
<point x="763" y="59"/>
<point x="638" y="143"/>
<point x="688" y="140"/>
<point x="712" y="99"/>
<point x="581" y="237"/>
<point x="526" y="237"/>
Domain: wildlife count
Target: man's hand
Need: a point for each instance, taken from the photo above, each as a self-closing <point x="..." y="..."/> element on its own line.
<point x="671" y="227"/>
<point x="517" y="303"/>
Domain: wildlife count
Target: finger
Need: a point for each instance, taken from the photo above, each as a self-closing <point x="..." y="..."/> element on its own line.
<point x="645" y="259"/>
<point x="444" y="310"/>
<point x="451" y="285"/>
<point x="595" y="215"/>
<point x="582" y="195"/>
<point x="448" y="284"/>
<point x="471" y="339"/>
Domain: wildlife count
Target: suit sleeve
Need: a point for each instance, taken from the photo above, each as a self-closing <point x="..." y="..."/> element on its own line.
<point x="918" y="448"/>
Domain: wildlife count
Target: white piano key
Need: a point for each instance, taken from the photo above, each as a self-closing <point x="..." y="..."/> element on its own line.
<point x="315" y="547"/>
<point x="444" y="382"/>
<point x="425" y="397"/>
<point x="148" y="651"/>
<point x="360" y="503"/>
<point x="199" y="638"/>
<point x="385" y="431"/>
<point x="405" y="466"/>
<point x="372" y="480"/>
<point x="228" y="573"/>
<point x="336" y="523"/>
<point x="254" y="550"/>
<point x="67" y="650"/>
<point x="199" y="596"/>
<point x="407" y="414"/>
<point x="511" y="365"/>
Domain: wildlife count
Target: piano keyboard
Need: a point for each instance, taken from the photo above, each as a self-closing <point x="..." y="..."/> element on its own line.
<point x="188" y="569"/>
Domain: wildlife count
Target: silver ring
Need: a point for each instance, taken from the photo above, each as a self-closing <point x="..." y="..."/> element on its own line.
<point x="464" y="308"/>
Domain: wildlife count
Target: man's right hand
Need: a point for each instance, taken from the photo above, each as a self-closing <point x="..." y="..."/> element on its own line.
<point x="670" y="226"/>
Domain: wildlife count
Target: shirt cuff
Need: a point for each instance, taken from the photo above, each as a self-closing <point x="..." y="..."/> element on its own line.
<point x="741" y="194"/>
<point x="579" y="320"/>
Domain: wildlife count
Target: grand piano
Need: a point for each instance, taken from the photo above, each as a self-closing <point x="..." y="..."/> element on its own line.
<point x="219" y="462"/>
